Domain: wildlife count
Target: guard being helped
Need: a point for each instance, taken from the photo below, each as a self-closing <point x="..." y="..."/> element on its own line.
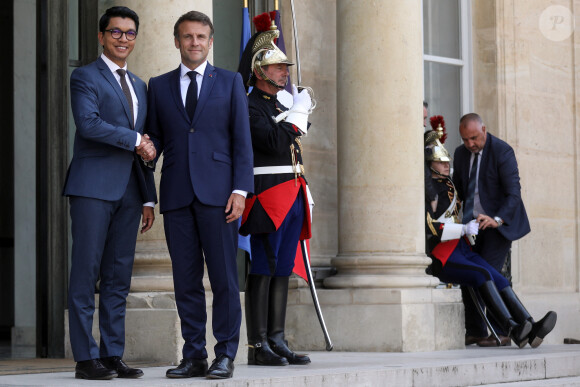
<point x="277" y="215"/>
<point x="454" y="261"/>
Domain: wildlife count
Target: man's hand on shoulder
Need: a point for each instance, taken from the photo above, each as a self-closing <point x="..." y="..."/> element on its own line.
<point x="235" y="207"/>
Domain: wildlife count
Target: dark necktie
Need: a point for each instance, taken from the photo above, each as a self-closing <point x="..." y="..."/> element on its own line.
<point x="468" y="207"/>
<point x="191" y="96"/>
<point x="127" y="93"/>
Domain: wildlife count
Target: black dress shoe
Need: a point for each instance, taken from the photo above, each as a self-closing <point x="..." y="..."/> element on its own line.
<point x="123" y="370"/>
<point x="221" y="368"/>
<point x="93" y="370"/>
<point x="189" y="368"/>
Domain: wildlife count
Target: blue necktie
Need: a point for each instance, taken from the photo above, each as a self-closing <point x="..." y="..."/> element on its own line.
<point x="468" y="205"/>
<point x="191" y="96"/>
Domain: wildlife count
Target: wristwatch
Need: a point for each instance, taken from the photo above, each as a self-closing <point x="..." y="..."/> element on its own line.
<point x="498" y="220"/>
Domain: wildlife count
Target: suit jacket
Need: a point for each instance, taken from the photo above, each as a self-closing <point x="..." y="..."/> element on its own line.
<point x="207" y="157"/>
<point x="104" y="146"/>
<point x="499" y="185"/>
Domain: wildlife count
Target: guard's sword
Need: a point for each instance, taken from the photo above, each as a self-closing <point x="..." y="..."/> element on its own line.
<point x="314" y="295"/>
<point x="303" y="243"/>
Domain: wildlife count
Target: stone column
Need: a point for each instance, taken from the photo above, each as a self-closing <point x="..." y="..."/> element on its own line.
<point x="380" y="158"/>
<point x="382" y="291"/>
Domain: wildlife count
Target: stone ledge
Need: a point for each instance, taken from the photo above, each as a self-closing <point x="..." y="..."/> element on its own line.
<point x="379" y="320"/>
<point x="464" y="367"/>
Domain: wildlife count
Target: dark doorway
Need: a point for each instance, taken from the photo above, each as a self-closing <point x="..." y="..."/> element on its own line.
<point x="7" y="180"/>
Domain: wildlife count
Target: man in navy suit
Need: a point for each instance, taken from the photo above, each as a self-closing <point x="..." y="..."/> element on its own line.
<point x="495" y="201"/>
<point x="109" y="189"/>
<point x="198" y="117"/>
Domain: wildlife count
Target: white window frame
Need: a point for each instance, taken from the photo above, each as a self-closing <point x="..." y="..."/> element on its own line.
<point x="465" y="63"/>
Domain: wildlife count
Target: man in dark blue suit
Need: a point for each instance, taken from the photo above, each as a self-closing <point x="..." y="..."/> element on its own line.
<point x="109" y="189"/>
<point x="494" y="199"/>
<point x="198" y="117"/>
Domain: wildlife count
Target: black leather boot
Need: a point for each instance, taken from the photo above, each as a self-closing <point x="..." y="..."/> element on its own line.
<point x="493" y="300"/>
<point x="257" y="294"/>
<point x="539" y="329"/>
<point x="277" y="320"/>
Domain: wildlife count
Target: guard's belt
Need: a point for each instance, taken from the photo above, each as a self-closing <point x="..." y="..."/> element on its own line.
<point x="277" y="170"/>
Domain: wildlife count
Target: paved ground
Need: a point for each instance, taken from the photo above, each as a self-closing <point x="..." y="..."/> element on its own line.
<point x="550" y="365"/>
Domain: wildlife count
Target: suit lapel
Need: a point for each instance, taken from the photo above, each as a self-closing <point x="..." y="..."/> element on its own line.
<point x="175" y="86"/>
<point x="106" y="72"/>
<point x="209" y="78"/>
<point x="484" y="161"/>
<point x="141" y="94"/>
<point x="464" y="157"/>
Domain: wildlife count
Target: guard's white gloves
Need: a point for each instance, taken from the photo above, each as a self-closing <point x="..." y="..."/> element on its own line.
<point x="298" y="113"/>
<point x="302" y="99"/>
<point x="471" y="228"/>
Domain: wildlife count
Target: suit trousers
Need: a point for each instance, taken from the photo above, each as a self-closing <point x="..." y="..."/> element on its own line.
<point x="493" y="248"/>
<point x="104" y="235"/>
<point x="192" y="233"/>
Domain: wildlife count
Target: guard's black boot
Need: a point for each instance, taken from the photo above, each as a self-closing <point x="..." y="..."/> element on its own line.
<point x="539" y="329"/>
<point x="257" y="294"/>
<point x="493" y="300"/>
<point x="277" y="320"/>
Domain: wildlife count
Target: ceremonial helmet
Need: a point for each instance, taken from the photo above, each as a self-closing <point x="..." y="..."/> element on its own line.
<point x="434" y="139"/>
<point x="262" y="51"/>
<point x="265" y="52"/>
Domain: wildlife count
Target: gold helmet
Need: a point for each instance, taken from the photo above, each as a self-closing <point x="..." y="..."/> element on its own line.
<point x="265" y="52"/>
<point x="262" y="51"/>
<point x="434" y="149"/>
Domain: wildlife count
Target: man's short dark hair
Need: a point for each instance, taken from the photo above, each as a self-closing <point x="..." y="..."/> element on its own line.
<point x="193" y="16"/>
<point x="470" y="117"/>
<point x="123" y="12"/>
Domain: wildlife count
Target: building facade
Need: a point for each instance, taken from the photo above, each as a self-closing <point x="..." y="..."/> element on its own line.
<point x="371" y="65"/>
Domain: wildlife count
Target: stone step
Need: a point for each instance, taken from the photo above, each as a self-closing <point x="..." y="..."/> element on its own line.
<point x="555" y="382"/>
<point x="551" y="365"/>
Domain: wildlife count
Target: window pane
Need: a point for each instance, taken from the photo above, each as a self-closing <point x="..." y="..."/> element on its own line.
<point x="442" y="28"/>
<point x="442" y="92"/>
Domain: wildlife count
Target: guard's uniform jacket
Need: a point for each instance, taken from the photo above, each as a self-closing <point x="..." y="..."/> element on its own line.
<point x="445" y="215"/>
<point x="274" y="145"/>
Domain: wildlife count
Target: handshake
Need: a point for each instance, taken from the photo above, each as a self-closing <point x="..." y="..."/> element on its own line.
<point x="146" y="149"/>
